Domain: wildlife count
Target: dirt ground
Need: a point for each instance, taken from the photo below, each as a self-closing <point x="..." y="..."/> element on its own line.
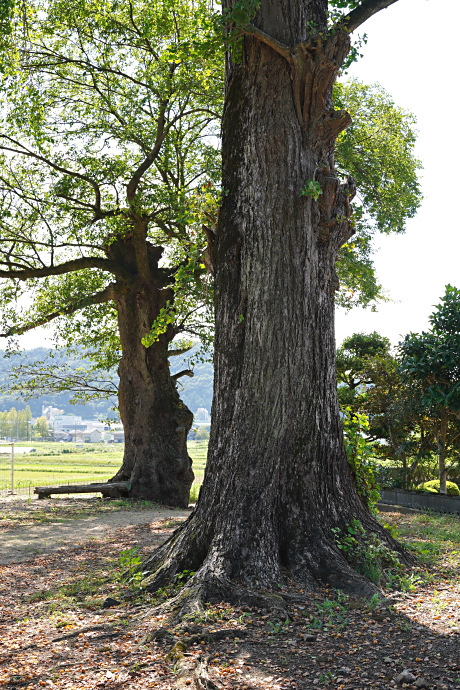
<point x="34" y="529"/>
<point x="60" y="560"/>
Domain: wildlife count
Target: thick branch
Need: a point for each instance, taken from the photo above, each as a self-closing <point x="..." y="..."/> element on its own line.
<point x="270" y="41"/>
<point x="105" y="295"/>
<point x="358" y="16"/>
<point x="66" y="267"/>
<point x="147" y="162"/>
<point x="179" y="351"/>
<point x="184" y="372"/>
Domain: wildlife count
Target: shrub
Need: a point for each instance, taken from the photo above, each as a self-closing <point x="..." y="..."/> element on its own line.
<point x="359" y="454"/>
<point x="433" y="487"/>
<point x="202" y="434"/>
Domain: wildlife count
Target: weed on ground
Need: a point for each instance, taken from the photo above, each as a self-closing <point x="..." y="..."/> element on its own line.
<point x="54" y="631"/>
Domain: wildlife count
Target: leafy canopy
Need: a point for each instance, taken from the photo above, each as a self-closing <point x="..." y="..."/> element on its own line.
<point x="110" y="116"/>
<point x="377" y="150"/>
<point x="433" y="357"/>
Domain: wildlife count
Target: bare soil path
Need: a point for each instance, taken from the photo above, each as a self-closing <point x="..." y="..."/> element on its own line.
<point x="30" y="529"/>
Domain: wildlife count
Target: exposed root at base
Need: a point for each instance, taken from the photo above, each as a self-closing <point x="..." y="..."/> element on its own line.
<point x="203" y="588"/>
<point x="197" y="677"/>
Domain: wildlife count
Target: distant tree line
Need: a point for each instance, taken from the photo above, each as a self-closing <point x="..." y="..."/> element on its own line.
<point x="16" y="425"/>
<point x="411" y="396"/>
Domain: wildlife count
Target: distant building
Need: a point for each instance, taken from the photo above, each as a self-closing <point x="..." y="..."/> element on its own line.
<point x="115" y="436"/>
<point x="51" y="412"/>
<point x="68" y="422"/>
<point x="202" y="415"/>
<point x="93" y="435"/>
<point x="77" y="436"/>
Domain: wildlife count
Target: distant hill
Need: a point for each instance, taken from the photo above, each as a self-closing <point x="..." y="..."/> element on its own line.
<point x="195" y="392"/>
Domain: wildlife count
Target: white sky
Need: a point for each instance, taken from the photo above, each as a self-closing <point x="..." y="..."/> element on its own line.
<point x="412" y="52"/>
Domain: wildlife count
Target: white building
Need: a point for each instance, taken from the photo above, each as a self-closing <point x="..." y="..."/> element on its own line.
<point x="93" y="435"/>
<point x="68" y="422"/>
<point x="51" y="412"/>
<point x="202" y="415"/>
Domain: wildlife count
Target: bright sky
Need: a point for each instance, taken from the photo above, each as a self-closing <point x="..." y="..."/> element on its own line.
<point x="412" y="51"/>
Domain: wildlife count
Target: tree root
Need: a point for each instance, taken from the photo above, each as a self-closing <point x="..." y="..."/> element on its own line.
<point x="204" y="587"/>
<point x="313" y="558"/>
<point x="197" y="678"/>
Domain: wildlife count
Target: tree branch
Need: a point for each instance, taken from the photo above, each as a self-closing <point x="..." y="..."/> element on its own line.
<point x="184" y="372"/>
<point x="66" y="267"/>
<point x="270" y="41"/>
<point x="24" y="151"/>
<point x="101" y="297"/>
<point x="359" y="15"/>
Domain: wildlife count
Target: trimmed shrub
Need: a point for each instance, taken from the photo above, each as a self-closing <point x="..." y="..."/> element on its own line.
<point x="433" y="487"/>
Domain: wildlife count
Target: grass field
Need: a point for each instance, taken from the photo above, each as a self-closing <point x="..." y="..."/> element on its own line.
<point x="58" y="463"/>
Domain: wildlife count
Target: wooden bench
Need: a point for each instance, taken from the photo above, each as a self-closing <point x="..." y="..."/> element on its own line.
<point x="107" y="489"/>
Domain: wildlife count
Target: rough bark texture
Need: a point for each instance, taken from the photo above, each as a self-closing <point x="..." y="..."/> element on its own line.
<point x="155" y="420"/>
<point x="277" y="478"/>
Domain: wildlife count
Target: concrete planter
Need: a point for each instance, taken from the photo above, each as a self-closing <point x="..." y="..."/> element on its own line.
<point x="439" y="503"/>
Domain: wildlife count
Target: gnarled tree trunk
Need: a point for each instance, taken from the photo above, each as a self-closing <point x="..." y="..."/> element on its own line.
<point x="277" y="478"/>
<point x="155" y="420"/>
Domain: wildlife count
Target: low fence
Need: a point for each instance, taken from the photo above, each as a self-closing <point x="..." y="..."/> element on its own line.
<point x="11" y="484"/>
<point x="439" y="503"/>
<point x="7" y="467"/>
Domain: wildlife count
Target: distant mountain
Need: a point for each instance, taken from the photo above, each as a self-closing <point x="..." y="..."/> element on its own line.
<point x="195" y="392"/>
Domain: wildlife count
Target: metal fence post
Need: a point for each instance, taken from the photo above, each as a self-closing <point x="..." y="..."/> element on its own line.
<point x="12" y="468"/>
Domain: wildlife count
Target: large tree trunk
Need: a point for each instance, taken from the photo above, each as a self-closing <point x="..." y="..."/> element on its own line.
<point x="155" y="420"/>
<point x="277" y="478"/>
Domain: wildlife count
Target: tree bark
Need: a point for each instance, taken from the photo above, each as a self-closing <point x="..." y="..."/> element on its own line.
<point x="277" y="478"/>
<point x="155" y="420"/>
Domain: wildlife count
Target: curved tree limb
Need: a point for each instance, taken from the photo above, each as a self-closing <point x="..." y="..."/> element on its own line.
<point x="184" y="372"/>
<point x="360" y="14"/>
<point x="101" y="297"/>
<point x="66" y="267"/>
<point x="279" y="47"/>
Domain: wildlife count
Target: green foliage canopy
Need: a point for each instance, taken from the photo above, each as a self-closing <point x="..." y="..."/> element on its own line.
<point x="110" y="112"/>
<point x="377" y="150"/>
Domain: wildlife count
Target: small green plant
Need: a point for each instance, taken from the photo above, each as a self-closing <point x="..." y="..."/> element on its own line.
<point x="129" y="563"/>
<point x="315" y="623"/>
<point x="326" y="678"/>
<point x="366" y="553"/>
<point x="373" y="602"/>
<point x="359" y="454"/>
<point x="312" y="189"/>
<point x="181" y="578"/>
<point x="392" y="529"/>
<point x="277" y="627"/>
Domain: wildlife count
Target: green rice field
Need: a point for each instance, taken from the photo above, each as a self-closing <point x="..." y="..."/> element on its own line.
<point x="58" y="463"/>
